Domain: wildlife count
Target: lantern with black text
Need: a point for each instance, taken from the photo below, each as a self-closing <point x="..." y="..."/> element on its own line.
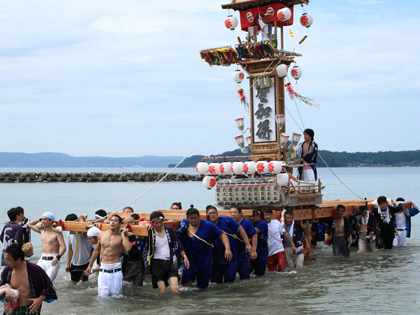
<point x="296" y="72"/>
<point x="202" y="168"/>
<point x="284" y="14"/>
<point x="209" y="182"/>
<point x="240" y="124"/>
<point x="284" y="137"/>
<point x="231" y="22"/>
<point x="306" y="20"/>
<point x="240" y="141"/>
<point x="280" y="121"/>
<point x="238" y="76"/>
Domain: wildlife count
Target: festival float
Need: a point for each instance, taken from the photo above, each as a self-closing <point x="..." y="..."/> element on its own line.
<point x="258" y="179"/>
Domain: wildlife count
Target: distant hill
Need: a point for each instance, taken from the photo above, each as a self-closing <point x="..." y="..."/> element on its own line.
<point x="342" y="159"/>
<point x="9" y="159"/>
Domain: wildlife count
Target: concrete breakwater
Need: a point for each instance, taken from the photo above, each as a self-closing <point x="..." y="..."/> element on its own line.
<point x="92" y="177"/>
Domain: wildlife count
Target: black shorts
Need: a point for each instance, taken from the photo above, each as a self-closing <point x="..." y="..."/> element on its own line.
<point x="162" y="270"/>
<point x="78" y="273"/>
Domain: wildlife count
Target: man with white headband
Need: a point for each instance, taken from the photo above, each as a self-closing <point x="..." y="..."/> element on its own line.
<point x="110" y="245"/>
<point x="92" y="235"/>
<point x="53" y="246"/>
<point x="402" y="221"/>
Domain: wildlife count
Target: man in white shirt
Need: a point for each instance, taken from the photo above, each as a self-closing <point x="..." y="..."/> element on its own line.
<point x="401" y="217"/>
<point x="276" y="255"/>
<point x="80" y="250"/>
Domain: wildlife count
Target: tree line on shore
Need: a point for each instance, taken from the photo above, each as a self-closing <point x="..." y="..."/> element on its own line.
<point x="339" y="159"/>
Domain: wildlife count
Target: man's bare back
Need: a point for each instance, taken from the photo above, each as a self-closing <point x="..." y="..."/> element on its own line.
<point x="111" y="247"/>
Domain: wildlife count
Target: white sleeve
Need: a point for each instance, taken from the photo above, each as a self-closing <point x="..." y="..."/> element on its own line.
<point x="281" y="229"/>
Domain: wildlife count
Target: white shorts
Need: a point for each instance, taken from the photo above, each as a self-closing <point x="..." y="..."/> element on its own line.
<point x="400" y="239"/>
<point x="308" y="175"/>
<point x="110" y="283"/>
<point x="49" y="269"/>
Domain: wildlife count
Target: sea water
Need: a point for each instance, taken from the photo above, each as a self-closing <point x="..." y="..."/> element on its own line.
<point x="382" y="282"/>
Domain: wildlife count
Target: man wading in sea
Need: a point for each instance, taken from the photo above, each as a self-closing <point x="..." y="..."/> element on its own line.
<point x="53" y="246"/>
<point x="30" y="280"/>
<point x="110" y="245"/>
<point x="197" y="237"/>
<point x="341" y="233"/>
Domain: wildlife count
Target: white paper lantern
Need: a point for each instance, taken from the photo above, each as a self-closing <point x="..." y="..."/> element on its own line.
<point x="249" y="140"/>
<point x="238" y="76"/>
<point x="296" y="72"/>
<point x="202" y="168"/>
<point x="262" y="167"/>
<point x="282" y="70"/>
<point x="249" y="167"/>
<point x="306" y="20"/>
<point x="240" y="124"/>
<point x="209" y="182"/>
<point x="284" y="137"/>
<point x="284" y="14"/>
<point x="237" y="168"/>
<point x="295" y="139"/>
<point x="274" y="167"/>
<point x="231" y="22"/>
<point x="280" y="118"/>
<point x="282" y="179"/>
<point x="226" y="168"/>
<point x="214" y="168"/>
<point x="240" y="141"/>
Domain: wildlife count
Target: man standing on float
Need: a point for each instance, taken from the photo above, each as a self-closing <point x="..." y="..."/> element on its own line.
<point x="307" y="152"/>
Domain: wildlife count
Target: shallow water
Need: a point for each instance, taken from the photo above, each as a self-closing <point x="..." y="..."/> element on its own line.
<point x="382" y="282"/>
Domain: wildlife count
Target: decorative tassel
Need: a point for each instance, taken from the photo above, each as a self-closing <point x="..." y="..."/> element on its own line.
<point x="307" y="100"/>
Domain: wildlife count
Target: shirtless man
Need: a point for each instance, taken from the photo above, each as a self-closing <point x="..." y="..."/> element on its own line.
<point x="341" y="233"/>
<point x="110" y="245"/>
<point x="53" y="246"/>
<point x="17" y="274"/>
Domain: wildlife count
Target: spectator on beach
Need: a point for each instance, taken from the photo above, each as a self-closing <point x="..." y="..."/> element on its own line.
<point x="307" y="151"/>
<point x="385" y="217"/>
<point x="53" y="246"/>
<point x="163" y="245"/>
<point x="245" y="250"/>
<point x="366" y="230"/>
<point x="79" y="252"/>
<point x="12" y="232"/>
<point x="128" y="210"/>
<point x="276" y="255"/>
<point x="110" y="245"/>
<point x="297" y="233"/>
<point x="30" y="280"/>
<point x="133" y="264"/>
<point x="176" y="206"/>
<point x="259" y="264"/>
<point x="224" y="270"/>
<point x="341" y="233"/>
<point x="198" y="237"/>
<point x="22" y="220"/>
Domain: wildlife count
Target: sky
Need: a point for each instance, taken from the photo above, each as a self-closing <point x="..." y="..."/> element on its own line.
<point x="124" y="78"/>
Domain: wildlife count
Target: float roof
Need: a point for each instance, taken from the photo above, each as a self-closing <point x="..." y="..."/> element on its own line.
<point x="241" y="5"/>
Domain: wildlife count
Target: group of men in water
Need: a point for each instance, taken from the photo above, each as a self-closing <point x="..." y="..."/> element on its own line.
<point x="388" y="225"/>
<point x="212" y="250"/>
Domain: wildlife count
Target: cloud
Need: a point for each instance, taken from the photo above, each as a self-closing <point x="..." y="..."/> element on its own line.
<point x="126" y="79"/>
